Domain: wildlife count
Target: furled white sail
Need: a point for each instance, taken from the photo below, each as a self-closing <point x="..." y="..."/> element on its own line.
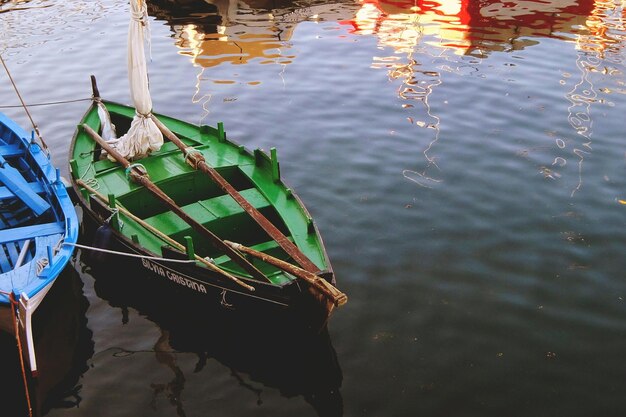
<point x="144" y="136"/>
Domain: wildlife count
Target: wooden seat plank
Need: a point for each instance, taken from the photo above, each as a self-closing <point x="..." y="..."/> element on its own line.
<point x="5" y="193"/>
<point x="12" y="249"/>
<point x="30" y="232"/>
<point x="15" y="182"/>
<point x="220" y="207"/>
<point x="9" y="151"/>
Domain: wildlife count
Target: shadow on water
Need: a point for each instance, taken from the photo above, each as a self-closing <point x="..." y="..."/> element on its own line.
<point x="268" y="347"/>
<point x="63" y="346"/>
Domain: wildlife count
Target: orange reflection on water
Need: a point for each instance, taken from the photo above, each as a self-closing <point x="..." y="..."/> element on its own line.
<point x="210" y="50"/>
<point x="215" y="32"/>
<point x="603" y="24"/>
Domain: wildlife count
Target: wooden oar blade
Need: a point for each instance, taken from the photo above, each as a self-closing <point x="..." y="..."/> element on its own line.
<point x="322" y="286"/>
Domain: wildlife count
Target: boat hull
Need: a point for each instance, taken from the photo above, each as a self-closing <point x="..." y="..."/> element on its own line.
<point x="192" y="281"/>
<point x="117" y="263"/>
<point x="38" y="229"/>
<point x="129" y="219"/>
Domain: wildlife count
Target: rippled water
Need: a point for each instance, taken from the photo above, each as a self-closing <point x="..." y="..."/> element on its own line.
<point x="464" y="161"/>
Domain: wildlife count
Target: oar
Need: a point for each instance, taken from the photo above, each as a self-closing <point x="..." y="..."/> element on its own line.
<point x="197" y="161"/>
<point x="162" y="235"/>
<point x="141" y="178"/>
<point x="337" y="297"/>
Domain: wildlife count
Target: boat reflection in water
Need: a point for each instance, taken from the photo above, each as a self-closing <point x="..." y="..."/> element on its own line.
<point x="465" y="27"/>
<point x="429" y="38"/>
<point x="257" y="348"/>
<point x="215" y="32"/>
<point x="470" y="27"/>
<point x="63" y="346"/>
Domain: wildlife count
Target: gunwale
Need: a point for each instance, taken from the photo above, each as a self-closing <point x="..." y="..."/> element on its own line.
<point x="59" y="221"/>
<point x="256" y="173"/>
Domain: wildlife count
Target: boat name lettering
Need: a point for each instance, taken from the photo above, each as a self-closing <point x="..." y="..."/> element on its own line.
<point x="173" y="276"/>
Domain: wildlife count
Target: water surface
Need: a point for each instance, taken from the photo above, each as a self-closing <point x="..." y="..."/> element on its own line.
<point x="464" y="161"/>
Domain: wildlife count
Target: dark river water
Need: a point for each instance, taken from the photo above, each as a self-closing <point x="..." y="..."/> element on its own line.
<point x="465" y="161"/>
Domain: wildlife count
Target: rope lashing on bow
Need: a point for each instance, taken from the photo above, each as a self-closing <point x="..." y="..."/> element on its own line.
<point x="42" y="263"/>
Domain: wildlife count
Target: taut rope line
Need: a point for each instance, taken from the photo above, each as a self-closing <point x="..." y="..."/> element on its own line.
<point x="24" y="104"/>
<point x="130" y="255"/>
<point x="47" y="103"/>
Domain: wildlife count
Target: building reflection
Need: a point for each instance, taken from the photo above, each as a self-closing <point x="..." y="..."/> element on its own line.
<point x="472" y="27"/>
<point x="438" y="30"/>
<point x="420" y="40"/>
<point x="216" y="32"/>
<point x="226" y="32"/>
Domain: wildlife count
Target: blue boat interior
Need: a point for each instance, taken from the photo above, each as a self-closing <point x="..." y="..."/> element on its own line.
<point x="29" y="221"/>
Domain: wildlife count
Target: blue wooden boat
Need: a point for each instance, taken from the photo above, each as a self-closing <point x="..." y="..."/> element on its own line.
<point x="38" y="229"/>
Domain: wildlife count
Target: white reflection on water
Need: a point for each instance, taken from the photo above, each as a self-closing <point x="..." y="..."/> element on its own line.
<point x="581" y="97"/>
<point x="410" y="28"/>
<point x="31" y="23"/>
<point x="597" y="48"/>
<point x="403" y="33"/>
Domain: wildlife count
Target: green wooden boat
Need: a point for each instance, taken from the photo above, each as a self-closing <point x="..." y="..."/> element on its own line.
<point x="121" y="197"/>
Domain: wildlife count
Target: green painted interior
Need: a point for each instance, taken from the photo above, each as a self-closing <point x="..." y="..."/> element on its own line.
<point x="255" y="175"/>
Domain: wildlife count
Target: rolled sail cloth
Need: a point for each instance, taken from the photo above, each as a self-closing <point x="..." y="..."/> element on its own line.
<point x="143" y="136"/>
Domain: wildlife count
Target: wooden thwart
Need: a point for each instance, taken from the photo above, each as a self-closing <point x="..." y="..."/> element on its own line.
<point x="15" y="182"/>
<point x="35" y="187"/>
<point x="163" y="236"/>
<point x="197" y="161"/>
<point x="141" y="178"/>
<point x="29" y="232"/>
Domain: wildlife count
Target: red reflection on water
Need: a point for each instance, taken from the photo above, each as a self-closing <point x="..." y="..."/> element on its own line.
<point x="469" y="25"/>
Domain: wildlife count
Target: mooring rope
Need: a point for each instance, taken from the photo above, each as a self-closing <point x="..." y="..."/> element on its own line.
<point x="13" y="303"/>
<point x="130" y="255"/>
<point x="41" y="265"/>
<point x="24" y="105"/>
<point x="48" y="103"/>
<point x="120" y="223"/>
